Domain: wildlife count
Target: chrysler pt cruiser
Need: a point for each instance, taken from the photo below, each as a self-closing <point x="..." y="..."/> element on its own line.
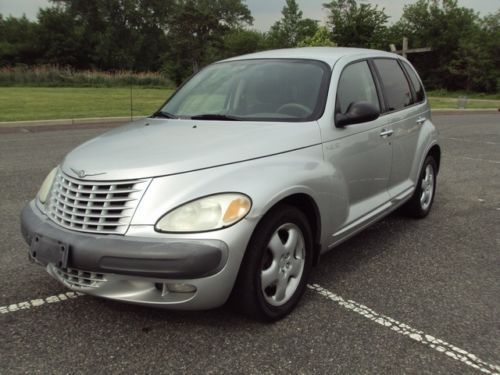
<point x="233" y="189"/>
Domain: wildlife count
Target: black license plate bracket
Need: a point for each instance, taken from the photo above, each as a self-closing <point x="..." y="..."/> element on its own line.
<point x="47" y="250"/>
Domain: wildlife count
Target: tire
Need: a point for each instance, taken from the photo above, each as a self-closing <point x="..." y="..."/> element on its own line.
<point x="276" y="265"/>
<point x="421" y="202"/>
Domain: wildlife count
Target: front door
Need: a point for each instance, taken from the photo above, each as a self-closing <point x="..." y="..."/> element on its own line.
<point x="360" y="153"/>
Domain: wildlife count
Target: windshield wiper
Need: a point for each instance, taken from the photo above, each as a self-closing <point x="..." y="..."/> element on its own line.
<point x="215" y="116"/>
<point x="163" y="114"/>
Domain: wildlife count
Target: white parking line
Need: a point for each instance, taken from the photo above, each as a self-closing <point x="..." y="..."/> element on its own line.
<point x="38" y="302"/>
<point x="403" y="329"/>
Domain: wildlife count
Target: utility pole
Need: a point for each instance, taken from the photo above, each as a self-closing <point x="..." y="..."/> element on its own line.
<point x="405" y="51"/>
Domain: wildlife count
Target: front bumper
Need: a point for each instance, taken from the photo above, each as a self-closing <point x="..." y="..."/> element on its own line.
<point x="134" y="269"/>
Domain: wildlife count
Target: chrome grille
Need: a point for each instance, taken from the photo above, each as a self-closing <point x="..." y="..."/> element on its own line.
<point x="80" y="279"/>
<point x="94" y="206"/>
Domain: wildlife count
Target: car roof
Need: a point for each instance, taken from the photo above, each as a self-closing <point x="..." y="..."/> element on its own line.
<point x="329" y="55"/>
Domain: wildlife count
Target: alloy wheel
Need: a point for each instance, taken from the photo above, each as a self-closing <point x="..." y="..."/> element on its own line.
<point x="283" y="264"/>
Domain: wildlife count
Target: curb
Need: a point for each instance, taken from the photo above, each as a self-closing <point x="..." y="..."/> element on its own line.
<point x="443" y="112"/>
<point x="83" y="123"/>
<point x="109" y="122"/>
<point x="76" y="121"/>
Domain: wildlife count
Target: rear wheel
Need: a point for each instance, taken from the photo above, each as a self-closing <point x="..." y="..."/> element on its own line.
<point x="277" y="262"/>
<point x="420" y="204"/>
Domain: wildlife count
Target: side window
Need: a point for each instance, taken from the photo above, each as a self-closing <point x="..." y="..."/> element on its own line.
<point x="396" y="88"/>
<point x="415" y="81"/>
<point x="356" y="84"/>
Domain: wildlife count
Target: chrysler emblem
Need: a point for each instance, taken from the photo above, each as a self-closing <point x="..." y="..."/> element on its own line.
<point x="82" y="174"/>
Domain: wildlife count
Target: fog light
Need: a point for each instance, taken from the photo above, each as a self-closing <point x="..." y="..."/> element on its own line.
<point x="181" y="288"/>
<point x="166" y="288"/>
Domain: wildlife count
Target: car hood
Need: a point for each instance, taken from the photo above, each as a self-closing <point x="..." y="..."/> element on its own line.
<point x="158" y="147"/>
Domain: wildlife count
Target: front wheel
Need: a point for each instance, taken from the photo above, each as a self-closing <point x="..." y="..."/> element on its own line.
<point x="420" y="204"/>
<point x="276" y="265"/>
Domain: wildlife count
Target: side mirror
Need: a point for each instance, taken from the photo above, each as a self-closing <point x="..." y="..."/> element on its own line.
<point x="357" y="112"/>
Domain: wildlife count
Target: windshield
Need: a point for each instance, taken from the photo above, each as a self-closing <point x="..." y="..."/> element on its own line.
<point x="254" y="90"/>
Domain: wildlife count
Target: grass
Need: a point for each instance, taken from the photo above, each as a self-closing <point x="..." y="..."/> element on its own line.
<point x="46" y="103"/>
<point x="442" y="99"/>
<point x="458" y="94"/>
<point x="452" y="103"/>
<point x="41" y="103"/>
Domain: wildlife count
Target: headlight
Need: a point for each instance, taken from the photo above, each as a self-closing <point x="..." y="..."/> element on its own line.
<point x="46" y="185"/>
<point x="205" y="214"/>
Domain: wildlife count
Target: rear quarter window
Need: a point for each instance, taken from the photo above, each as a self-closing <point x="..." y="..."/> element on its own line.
<point x="397" y="93"/>
<point x="415" y="81"/>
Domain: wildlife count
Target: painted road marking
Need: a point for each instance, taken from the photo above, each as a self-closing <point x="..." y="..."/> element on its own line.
<point x="403" y="329"/>
<point x="38" y="302"/>
<point x="430" y="341"/>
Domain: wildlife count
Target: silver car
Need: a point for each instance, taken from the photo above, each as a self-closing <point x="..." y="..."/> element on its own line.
<point x="234" y="188"/>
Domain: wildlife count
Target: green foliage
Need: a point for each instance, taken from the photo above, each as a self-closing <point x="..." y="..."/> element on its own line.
<point x="61" y="39"/>
<point x="292" y="28"/>
<point x="118" y="34"/>
<point x="240" y="42"/>
<point x="489" y="40"/>
<point x="178" y="37"/>
<point x="356" y="25"/>
<point x="17" y="40"/>
<point x="53" y="76"/>
<point x="320" y="39"/>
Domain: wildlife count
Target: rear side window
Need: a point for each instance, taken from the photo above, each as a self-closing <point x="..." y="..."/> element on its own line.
<point x="397" y="91"/>
<point x="356" y="84"/>
<point x="417" y="85"/>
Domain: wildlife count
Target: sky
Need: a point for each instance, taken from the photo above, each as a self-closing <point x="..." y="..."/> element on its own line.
<point x="266" y="12"/>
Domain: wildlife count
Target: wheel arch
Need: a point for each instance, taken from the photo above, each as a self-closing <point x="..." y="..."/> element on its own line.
<point x="435" y="152"/>
<point x="306" y="204"/>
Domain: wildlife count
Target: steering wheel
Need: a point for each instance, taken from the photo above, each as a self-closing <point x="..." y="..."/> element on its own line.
<point x="294" y="109"/>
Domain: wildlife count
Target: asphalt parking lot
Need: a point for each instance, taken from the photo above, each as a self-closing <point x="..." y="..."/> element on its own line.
<point x="404" y="296"/>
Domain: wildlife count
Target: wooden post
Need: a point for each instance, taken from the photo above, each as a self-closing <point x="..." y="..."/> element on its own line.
<point x="405" y="51"/>
<point x="405" y="46"/>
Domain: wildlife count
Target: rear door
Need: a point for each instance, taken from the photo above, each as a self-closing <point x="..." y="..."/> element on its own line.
<point x="406" y="111"/>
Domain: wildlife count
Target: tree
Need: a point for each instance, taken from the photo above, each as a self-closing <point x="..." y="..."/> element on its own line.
<point x="241" y="41"/>
<point x="490" y="41"/>
<point x="17" y="40"/>
<point x="120" y="34"/>
<point x="320" y="39"/>
<point x="195" y="27"/>
<point x="292" y="28"/>
<point x="356" y="25"/>
<point x="61" y="39"/>
<point x="476" y="63"/>
<point x="459" y="57"/>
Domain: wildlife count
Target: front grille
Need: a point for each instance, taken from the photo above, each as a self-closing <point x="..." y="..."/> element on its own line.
<point x="94" y="206"/>
<point x="80" y="279"/>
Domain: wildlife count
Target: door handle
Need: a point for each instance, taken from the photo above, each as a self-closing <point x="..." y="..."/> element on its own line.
<point x="386" y="133"/>
<point x="421" y="120"/>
